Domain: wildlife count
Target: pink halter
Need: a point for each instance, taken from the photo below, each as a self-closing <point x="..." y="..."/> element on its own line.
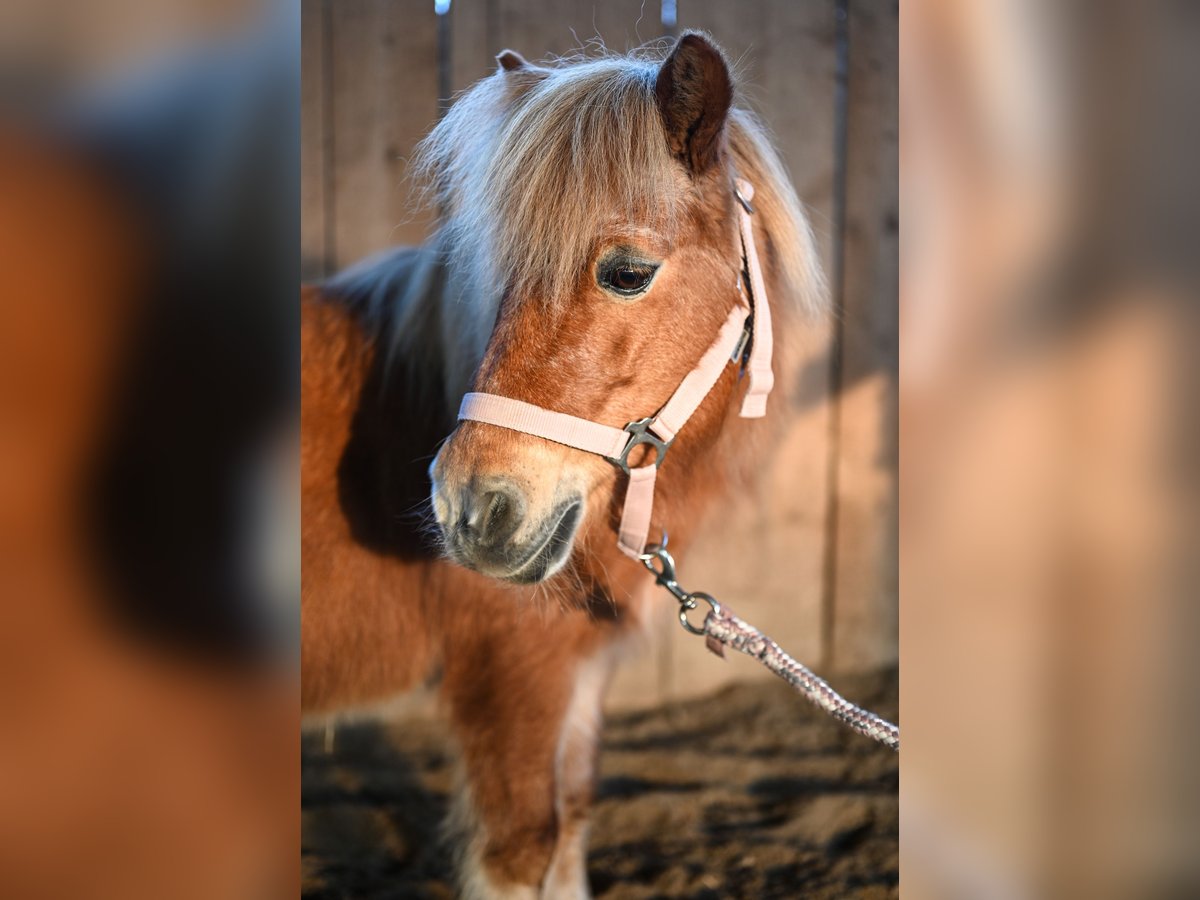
<point x="751" y="322"/>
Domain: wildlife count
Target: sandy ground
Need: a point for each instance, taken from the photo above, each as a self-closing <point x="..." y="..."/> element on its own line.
<point x="748" y="793"/>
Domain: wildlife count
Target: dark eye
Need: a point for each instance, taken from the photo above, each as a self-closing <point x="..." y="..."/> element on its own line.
<point x="630" y="279"/>
<point x="626" y="277"/>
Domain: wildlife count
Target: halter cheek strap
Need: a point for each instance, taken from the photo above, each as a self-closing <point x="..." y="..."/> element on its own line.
<point x="762" y="379"/>
<point x="745" y="322"/>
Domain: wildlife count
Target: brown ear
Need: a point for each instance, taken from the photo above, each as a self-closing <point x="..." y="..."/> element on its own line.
<point x="511" y="60"/>
<point x="694" y="92"/>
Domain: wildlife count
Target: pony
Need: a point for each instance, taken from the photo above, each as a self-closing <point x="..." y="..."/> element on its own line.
<point x="586" y="255"/>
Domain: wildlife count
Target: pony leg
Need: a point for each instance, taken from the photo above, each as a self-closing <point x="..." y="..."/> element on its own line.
<point x="527" y="715"/>
<point x="576" y="780"/>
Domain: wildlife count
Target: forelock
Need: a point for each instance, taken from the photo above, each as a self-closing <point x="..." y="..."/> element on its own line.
<point x="528" y="175"/>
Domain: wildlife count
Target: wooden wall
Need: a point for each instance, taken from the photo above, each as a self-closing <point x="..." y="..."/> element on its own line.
<point x="812" y="557"/>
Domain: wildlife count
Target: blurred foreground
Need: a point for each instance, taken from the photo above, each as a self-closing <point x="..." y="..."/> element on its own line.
<point x="1048" y="426"/>
<point x="148" y="539"/>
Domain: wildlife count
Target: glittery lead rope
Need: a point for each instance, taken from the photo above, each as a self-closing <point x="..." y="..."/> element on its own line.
<point x="723" y="629"/>
<point x="723" y="626"/>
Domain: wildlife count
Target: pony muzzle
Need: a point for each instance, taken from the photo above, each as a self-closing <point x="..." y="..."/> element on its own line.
<point x="496" y="526"/>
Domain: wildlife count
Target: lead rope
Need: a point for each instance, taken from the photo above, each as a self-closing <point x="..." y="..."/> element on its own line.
<point x="723" y="629"/>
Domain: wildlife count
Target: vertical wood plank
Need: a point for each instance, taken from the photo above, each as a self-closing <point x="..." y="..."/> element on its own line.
<point x="866" y="587"/>
<point x="796" y="87"/>
<point x="312" y="139"/>
<point x="536" y="29"/>
<point x="621" y="25"/>
<point x="784" y="53"/>
<point x="385" y="79"/>
<point x="474" y="47"/>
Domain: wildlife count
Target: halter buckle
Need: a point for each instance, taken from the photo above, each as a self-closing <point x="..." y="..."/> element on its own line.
<point x="640" y="433"/>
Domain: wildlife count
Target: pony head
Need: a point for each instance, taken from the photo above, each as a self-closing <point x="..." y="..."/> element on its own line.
<point x="588" y="224"/>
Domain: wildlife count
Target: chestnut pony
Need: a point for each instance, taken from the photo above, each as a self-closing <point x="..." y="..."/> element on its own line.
<point x="587" y="255"/>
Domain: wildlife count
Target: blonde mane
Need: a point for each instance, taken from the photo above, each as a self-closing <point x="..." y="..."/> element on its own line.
<point x="528" y="165"/>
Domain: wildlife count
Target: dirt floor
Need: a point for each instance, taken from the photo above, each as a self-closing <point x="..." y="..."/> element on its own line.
<point x="748" y="793"/>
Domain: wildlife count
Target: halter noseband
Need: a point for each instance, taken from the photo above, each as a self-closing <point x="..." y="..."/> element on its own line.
<point x="750" y="322"/>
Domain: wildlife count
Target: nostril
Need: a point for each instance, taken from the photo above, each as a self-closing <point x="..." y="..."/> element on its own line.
<point x="484" y="513"/>
<point x="490" y="517"/>
<point x="497" y="512"/>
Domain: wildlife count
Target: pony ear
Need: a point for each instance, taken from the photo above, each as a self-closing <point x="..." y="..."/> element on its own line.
<point x="694" y="92"/>
<point x="511" y="60"/>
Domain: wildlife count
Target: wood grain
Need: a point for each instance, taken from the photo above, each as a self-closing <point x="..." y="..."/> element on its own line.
<point x="865" y="591"/>
<point x="385" y="83"/>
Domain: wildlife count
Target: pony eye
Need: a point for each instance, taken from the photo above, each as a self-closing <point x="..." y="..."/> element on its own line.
<point x="626" y="277"/>
<point x="630" y="279"/>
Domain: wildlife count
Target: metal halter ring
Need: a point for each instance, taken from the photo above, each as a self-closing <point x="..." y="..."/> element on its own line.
<point x="640" y="433"/>
<point x="685" y="606"/>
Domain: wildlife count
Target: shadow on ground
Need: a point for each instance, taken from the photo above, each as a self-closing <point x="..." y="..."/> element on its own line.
<point x="748" y="793"/>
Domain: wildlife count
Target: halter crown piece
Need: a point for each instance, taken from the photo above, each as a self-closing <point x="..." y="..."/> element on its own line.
<point x="749" y="321"/>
